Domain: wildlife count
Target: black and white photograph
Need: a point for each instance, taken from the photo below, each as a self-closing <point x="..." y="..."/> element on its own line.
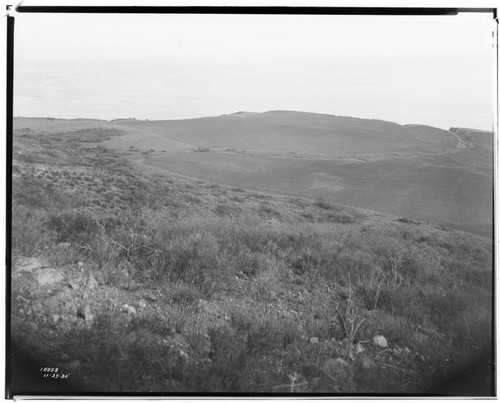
<point x="250" y="201"/>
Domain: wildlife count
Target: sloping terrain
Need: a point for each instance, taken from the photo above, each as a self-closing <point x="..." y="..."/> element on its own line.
<point x="306" y="133"/>
<point x="126" y="278"/>
<point x="448" y="191"/>
<point x="415" y="171"/>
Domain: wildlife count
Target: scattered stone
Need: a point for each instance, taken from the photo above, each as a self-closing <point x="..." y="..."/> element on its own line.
<point x="358" y="349"/>
<point x="63" y="245"/>
<point x="91" y="282"/>
<point x="48" y="276"/>
<point x="74" y="365"/>
<point x="100" y="278"/>
<point x="27" y="264"/>
<point x="85" y="313"/>
<point x="129" y="309"/>
<point x="380" y="341"/>
<point x="58" y="302"/>
<point x="364" y="362"/>
<point x="80" y="265"/>
<point x="73" y="284"/>
<point x="142" y="303"/>
<point x="37" y="307"/>
<point x="314" y="340"/>
<point x="153" y="298"/>
<point x="335" y="367"/>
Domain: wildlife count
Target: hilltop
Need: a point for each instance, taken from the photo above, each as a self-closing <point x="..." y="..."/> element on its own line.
<point x="301" y="132"/>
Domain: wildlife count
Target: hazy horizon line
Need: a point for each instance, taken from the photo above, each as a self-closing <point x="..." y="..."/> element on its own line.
<point x="240" y="112"/>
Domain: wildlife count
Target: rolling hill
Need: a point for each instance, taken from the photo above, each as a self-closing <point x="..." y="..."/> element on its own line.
<point x="142" y="260"/>
<point x="300" y="132"/>
<point x="415" y="171"/>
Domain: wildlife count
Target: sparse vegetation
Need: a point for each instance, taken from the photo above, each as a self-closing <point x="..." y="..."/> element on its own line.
<point x="237" y="294"/>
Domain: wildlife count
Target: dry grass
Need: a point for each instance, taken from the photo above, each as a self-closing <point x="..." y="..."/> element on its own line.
<point x="254" y="299"/>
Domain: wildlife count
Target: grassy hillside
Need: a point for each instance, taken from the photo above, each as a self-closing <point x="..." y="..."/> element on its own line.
<point x="416" y="171"/>
<point x="149" y="282"/>
<point x="446" y="190"/>
<point x="307" y="133"/>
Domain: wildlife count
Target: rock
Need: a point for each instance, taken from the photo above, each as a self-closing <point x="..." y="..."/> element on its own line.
<point x="100" y="278"/>
<point x="358" y="349"/>
<point x="85" y="313"/>
<point x="364" y="363"/>
<point x="80" y="265"/>
<point x="129" y="309"/>
<point x="74" y="285"/>
<point x="407" y="350"/>
<point x="37" y="307"/>
<point x="65" y="357"/>
<point x="91" y="282"/>
<point x="314" y="340"/>
<point x="27" y="264"/>
<point x="154" y="298"/>
<point x="55" y="318"/>
<point x="74" y="365"/>
<point x="335" y="367"/>
<point x="142" y="303"/>
<point x="63" y="245"/>
<point x="380" y="341"/>
<point x="48" y="276"/>
<point x="58" y="302"/>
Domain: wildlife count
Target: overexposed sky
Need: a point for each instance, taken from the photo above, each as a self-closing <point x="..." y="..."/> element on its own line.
<point x="430" y="70"/>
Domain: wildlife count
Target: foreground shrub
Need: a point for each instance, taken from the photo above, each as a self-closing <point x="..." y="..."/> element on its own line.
<point x="29" y="233"/>
<point x="79" y="226"/>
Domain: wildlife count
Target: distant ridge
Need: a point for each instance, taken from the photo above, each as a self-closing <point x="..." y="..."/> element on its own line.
<point x="282" y="131"/>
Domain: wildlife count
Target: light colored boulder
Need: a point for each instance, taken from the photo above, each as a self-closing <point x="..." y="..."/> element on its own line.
<point x="48" y="276"/>
<point x="380" y="341"/>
